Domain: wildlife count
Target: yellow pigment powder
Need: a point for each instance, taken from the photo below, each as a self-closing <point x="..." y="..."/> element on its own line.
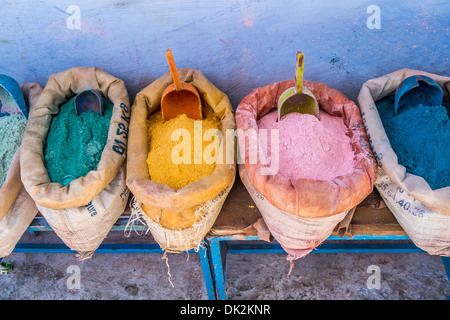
<point x="165" y="155"/>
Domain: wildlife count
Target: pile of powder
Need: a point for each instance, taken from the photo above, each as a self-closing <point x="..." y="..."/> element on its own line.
<point x="310" y="148"/>
<point x="75" y="143"/>
<point x="161" y="167"/>
<point x="420" y="136"/>
<point x="12" y="128"/>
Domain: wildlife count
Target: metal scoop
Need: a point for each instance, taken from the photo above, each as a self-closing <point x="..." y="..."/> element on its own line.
<point x="180" y="97"/>
<point x="89" y="100"/>
<point x="11" y="97"/>
<point x="298" y="99"/>
<point x="417" y="90"/>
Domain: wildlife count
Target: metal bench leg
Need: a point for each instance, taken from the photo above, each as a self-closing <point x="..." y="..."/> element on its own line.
<point x="218" y="259"/>
<point x="206" y="268"/>
<point x="446" y="261"/>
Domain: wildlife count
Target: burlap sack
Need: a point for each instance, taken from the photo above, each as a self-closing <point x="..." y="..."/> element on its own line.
<point x="83" y="212"/>
<point x="305" y="197"/>
<point x="176" y="216"/>
<point x="302" y="213"/>
<point x="423" y="213"/>
<point x="84" y="228"/>
<point x="17" y="209"/>
<point x="59" y="88"/>
<point x="298" y="236"/>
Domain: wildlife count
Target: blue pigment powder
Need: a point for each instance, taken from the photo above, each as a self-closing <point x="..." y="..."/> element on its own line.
<point x="420" y="136"/>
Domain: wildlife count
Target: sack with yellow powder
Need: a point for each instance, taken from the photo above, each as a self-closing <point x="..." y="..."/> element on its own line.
<point x="17" y="208"/>
<point x="80" y="209"/>
<point x="180" y="171"/>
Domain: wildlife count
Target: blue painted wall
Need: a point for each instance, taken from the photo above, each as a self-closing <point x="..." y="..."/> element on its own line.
<point x="239" y="45"/>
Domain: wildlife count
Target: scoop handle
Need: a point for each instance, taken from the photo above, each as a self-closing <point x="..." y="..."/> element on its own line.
<point x="173" y="70"/>
<point x="299" y="71"/>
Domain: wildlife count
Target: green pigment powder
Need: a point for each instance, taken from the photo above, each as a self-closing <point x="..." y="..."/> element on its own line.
<point x="420" y="136"/>
<point x="12" y="128"/>
<point x="75" y="143"/>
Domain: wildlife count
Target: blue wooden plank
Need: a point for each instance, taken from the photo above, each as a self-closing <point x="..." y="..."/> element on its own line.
<point x="246" y="248"/>
<point x="353" y="238"/>
<point x="103" y="248"/>
<point x="40" y="224"/>
<point x="371" y="237"/>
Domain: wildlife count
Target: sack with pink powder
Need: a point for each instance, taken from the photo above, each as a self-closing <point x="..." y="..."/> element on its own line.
<point x="308" y="174"/>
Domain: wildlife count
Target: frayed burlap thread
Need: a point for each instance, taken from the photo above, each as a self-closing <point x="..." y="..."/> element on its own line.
<point x="179" y="240"/>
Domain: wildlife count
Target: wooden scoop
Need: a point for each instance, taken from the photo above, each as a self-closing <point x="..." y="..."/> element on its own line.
<point x="179" y="97"/>
<point x="298" y="99"/>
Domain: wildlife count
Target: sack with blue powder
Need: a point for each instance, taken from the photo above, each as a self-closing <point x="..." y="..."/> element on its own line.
<point x="411" y="148"/>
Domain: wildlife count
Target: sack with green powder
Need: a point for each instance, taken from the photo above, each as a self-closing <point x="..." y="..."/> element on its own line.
<point x="17" y="208"/>
<point x="81" y="205"/>
<point x="178" y="218"/>
<point x="421" y="206"/>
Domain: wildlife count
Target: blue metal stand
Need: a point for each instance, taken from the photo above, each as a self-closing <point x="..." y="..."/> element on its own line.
<point x="221" y="246"/>
<point x="214" y="250"/>
<point x="446" y="261"/>
<point x="40" y="224"/>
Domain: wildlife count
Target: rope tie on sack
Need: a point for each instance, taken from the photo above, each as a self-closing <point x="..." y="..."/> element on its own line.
<point x="136" y="219"/>
<point x="164" y="257"/>
<point x="291" y="266"/>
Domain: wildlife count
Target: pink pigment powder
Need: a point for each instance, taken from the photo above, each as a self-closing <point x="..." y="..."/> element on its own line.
<point x="310" y="148"/>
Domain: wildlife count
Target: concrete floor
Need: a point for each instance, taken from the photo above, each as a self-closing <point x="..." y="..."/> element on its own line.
<point x="249" y="276"/>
